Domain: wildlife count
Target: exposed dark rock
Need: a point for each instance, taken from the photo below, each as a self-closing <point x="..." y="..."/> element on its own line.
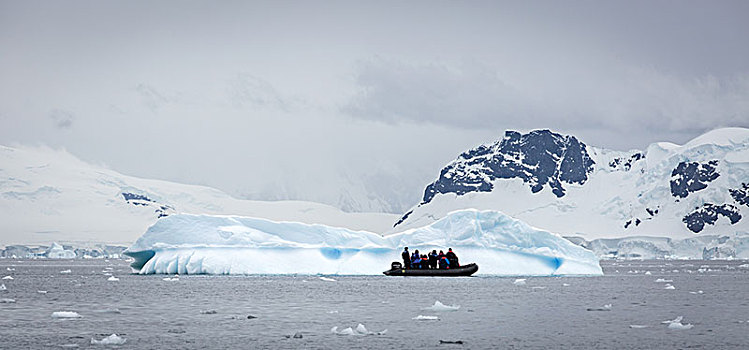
<point x="539" y="158"/>
<point x="403" y="218"/>
<point x="689" y="177"/>
<point x="142" y="200"/>
<point x="708" y="214"/>
<point x="625" y="164"/>
<point x="741" y="194"/>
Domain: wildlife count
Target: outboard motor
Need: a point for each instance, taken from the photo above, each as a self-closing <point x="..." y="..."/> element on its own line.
<point x="396" y="265"/>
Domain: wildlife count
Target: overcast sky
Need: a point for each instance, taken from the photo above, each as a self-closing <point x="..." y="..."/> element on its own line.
<point x="358" y="102"/>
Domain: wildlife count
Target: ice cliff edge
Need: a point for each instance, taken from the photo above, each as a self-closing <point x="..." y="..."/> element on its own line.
<point x="207" y="244"/>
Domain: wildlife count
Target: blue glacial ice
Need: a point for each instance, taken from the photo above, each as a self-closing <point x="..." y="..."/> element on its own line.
<point x="208" y="244"/>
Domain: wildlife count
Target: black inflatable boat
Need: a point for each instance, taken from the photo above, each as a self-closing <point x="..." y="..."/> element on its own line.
<point x="465" y="270"/>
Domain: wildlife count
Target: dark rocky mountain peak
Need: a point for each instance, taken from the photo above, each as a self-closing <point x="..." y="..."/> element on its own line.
<point x="539" y="158"/>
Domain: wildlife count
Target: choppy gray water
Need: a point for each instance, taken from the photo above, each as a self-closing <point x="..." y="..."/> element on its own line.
<point x="548" y="312"/>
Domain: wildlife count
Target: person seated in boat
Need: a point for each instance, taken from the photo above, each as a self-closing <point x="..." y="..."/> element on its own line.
<point x="424" y="262"/>
<point x="433" y="259"/>
<point x="406" y="258"/>
<point x="444" y="263"/>
<point x="452" y="257"/>
<point x="416" y="259"/>
<point x="440" y="256"/>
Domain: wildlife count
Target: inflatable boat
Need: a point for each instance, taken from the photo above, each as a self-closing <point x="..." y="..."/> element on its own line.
<point x="396" y="269"/>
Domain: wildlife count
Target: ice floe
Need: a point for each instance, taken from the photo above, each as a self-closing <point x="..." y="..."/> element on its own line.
<point x="442" y="307"/>
<point x="678" y="319"/>
<point x="637" y="326"/>
<point x="66" y="314"/>
<point x="113" y="279"/>
<point x="519" y="282"/>
<point x="109" y="311"/>
<point x="7" y="301"/>
<point x="208" y="312"/>
<point x="359" y="330"/>
<point x="679" y="326"/>
<point x="425" y="318"/>
<point x="669" y="286"/>
<point x="65" y="272"/>
<point x="8" y="278"/>
<point x="606" y="307"/>
<point x="346" y="331"/>
<point x="42" y="291"/>
<point x="661" y="280"/>
<point x="170" y="279"/>
<point x="13" y="269"/>
<point x="110" y="340"/>
<point x="648" y="273"/>
<point x="697" y="292"/>
<point x="327" y="279"/>
<point x="3" y="287"/>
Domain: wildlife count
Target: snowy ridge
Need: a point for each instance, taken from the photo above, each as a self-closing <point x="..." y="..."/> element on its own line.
<point x="557" y="183"/>
<point x="501" y="245"/>
<point x="50" y="196"/>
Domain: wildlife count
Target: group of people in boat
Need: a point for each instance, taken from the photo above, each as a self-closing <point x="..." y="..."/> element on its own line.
<point x="432" y="260"/>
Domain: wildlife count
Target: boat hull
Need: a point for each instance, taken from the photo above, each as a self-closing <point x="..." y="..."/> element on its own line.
<point x="465" y="270"/>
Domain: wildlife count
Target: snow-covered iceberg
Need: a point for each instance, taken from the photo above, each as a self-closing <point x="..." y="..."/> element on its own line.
<point x="57" y="251"/>
<point x="206" y="244"/>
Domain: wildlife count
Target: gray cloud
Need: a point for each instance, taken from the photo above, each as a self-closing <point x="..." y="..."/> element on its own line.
<point x="247" y="90"/>
<point x="62" y="119"/>
<point x="474" y="95"/>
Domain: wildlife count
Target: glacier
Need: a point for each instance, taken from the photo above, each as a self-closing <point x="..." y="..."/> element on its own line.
<point x="210" y="244"/>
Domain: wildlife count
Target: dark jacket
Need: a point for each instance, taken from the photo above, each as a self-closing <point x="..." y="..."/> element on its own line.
<point x="453" y="259"/>
<point x="432" y="259"/>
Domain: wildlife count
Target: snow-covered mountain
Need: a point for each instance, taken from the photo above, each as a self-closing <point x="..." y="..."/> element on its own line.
<point x="558" y="183"/>
<point x="49" y="196"/>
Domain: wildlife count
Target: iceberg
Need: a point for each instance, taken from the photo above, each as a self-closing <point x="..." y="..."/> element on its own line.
<point x="426" y="318"/>
<point x="57" y="251"/>
<point x="677" y="325"/>
<point x="442" y="307"/>
<point x="66" y="314"/>
<point x="113" y="339"/>
<point x="209" y="244"/>
<point x="360" y="330"/>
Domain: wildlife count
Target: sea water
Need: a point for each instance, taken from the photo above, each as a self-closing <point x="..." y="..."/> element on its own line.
<point x="625" y="308"/>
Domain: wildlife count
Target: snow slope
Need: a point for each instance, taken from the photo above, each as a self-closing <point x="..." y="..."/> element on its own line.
<point x="499" y="244"/>
<point x="558" y="183"/>
<point x="50" y="196"/>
